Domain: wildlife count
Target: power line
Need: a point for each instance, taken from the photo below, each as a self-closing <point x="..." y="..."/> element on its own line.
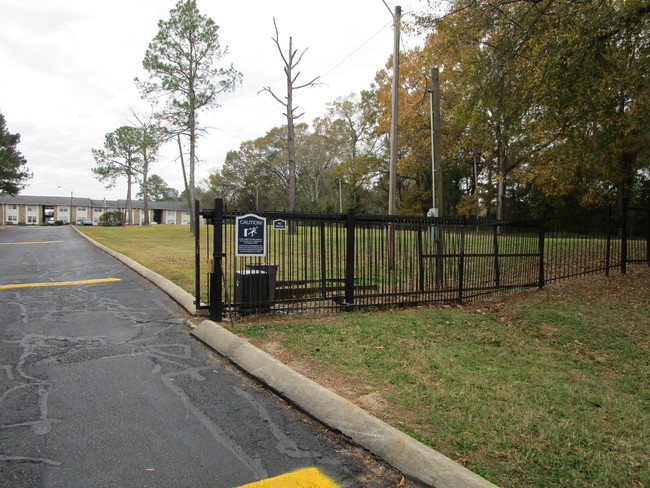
<point x="356" y="50"/>
<point x="333" y="68"/>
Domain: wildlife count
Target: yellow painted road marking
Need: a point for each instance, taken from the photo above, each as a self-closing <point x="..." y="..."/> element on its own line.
<point x="303" y="478"/>
<point x="58" y="283"/>
<point x="13" y="243"/>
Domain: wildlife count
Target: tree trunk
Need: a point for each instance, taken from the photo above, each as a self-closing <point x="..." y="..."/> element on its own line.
<point x="501" y="177"/>
<point x="127" y="216"/>
<point x="624" y="183"/>
<point x="190" y="192"/>
<point x="145" y="189"/>
<point x="190" y="202"/>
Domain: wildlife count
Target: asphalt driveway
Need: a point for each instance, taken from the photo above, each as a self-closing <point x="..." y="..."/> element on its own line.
<point x="102" y="385"/>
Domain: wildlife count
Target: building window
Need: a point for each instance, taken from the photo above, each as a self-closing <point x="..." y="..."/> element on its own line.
<point x="63" y="209"/>
<point x="170" y="222"/>
<point x="12" y="218"/>
<point x="31" y="219"/>
<point x="30" y="209"/>
<point x="98" y="210"/>
<point x="13" y="207"/>
<point x="81" y="209"/>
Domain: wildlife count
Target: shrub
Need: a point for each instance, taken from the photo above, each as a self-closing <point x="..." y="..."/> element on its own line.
<point x="111" y="219"/>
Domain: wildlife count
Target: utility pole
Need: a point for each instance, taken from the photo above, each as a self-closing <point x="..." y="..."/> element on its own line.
<point x="392" y="191"/>
<point x="392" y="181"/>
<point x="436" y="162"/>
<point x="436" y="177"/>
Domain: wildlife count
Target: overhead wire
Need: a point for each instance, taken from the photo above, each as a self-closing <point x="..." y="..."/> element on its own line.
<point x="333" y="68"/>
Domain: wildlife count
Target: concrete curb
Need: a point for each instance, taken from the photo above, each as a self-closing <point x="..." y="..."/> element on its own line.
<point x="399" y="450"/>
<point x="183" y="298"/>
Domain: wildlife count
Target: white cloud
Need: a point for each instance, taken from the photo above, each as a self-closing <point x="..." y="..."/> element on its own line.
<point x="68" y="68"/>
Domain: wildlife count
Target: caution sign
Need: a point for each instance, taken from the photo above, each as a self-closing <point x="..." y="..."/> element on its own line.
<point x="251" y="235"/>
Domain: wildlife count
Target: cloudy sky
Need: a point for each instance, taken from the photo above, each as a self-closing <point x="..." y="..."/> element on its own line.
<point x="67" y="70"/>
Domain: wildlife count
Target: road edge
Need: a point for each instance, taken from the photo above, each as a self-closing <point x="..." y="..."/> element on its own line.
<point x="183" y="298"/>
<point x="404" y="453"/>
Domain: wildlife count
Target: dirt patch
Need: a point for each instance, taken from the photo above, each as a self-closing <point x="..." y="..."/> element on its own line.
<point x="323" y="375"/>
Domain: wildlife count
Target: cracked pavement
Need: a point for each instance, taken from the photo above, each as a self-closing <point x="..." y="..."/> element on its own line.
<point x="101" y="385"/>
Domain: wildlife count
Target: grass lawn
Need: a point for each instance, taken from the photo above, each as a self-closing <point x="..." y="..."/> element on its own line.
<point x="546" y="388"/>
<point x="166" y="249"/>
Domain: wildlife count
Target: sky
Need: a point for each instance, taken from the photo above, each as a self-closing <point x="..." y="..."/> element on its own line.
<point x="67" y="70"/>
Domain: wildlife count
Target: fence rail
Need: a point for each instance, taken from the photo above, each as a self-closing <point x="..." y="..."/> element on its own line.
<point x="330" y="262"/>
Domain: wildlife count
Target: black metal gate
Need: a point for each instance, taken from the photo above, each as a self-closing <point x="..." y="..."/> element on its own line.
<point x="332" y="262"/>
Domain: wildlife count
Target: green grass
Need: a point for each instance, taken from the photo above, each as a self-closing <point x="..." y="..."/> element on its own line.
<point x="547" y="389"/>
<point x="166" y="249"/>
<point x="544" y="389"/>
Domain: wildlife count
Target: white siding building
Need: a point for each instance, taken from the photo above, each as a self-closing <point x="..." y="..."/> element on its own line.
<point x="36" y="210"/>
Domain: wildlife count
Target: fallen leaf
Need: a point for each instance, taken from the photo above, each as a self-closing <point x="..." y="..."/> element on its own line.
<point x="149" y="469"/>
<point x="402" y="482"/>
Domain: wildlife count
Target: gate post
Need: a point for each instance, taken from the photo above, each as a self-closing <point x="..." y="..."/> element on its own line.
<point x="216" y="277"/>
<point x="349" y="261"/>
<point x="197" y="255"/>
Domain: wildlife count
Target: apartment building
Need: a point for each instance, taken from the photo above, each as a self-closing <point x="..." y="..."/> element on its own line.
<point x="36" y="210"/>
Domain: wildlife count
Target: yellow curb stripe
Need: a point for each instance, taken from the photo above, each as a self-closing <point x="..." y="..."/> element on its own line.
<point x="58" y="283"/>
<point x="303" y="478"/>
<point x="14" y="243"/>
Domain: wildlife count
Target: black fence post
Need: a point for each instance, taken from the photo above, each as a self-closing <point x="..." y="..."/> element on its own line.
<point x="497" y="270"/>
<point x="624" y="215"/>
<point x="461" y="260"/>
<point x="647" y="235"/>
<point x="542" y="278"/>
<point x="323" y="261"/>
<point x="197" y="254"/>
<point x="420" y="259"/>
<point x="349" y="261"/>
<point x="608" y="251"/>
<point x="216" y="277"/>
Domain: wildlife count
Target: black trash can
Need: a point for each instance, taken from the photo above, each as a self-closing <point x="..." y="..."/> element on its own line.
<point x="272" y="272"/>
<point x="252" y="291"/>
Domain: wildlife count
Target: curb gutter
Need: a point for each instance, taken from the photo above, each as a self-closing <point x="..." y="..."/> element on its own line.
<point x="410" y="457"/>
<point x="399" y="450"/>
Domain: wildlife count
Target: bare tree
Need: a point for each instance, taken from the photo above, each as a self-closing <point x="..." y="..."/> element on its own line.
<point x="291" y="61"/>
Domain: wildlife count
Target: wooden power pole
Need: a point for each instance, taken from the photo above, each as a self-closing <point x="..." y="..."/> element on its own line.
<point x="436" y="162"/>
<point x="392" y="181"/>
<point x="392" y="191"/>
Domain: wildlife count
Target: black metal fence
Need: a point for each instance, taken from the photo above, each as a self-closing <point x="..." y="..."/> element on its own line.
<point x="336" y="262"/>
